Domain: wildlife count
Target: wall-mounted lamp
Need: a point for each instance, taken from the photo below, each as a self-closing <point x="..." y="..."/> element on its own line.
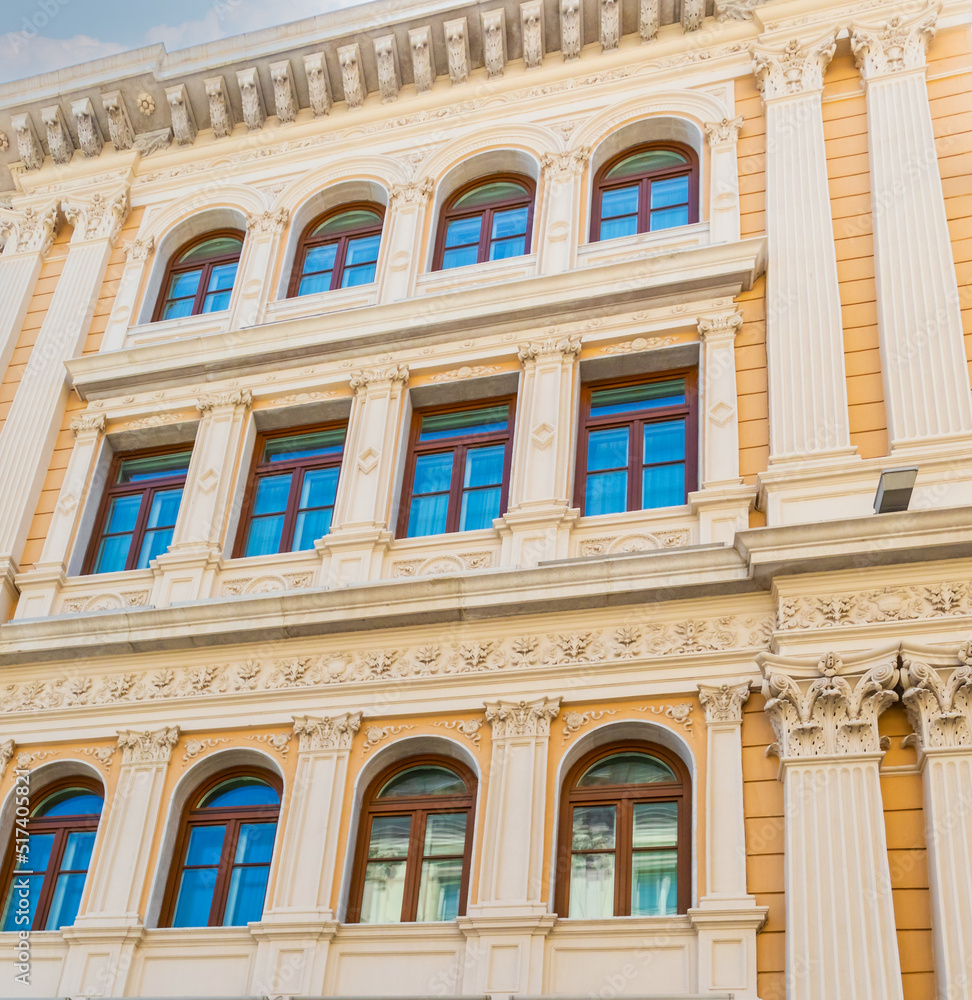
<point x="894" y="490"/>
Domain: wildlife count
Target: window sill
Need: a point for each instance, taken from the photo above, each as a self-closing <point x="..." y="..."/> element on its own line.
<point x="321" y="303"/>
<point x="443" y="555"/>
<point x="178" y="329"/>
<point x="473" y="275"/>
<point x="643" y="245"/>
<point x="277" y="572"/>
<point x="634" y="531"/>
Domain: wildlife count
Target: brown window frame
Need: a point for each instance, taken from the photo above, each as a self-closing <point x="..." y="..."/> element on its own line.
<point x="300" y="465"/>
<point x="624" y="797"/>
<point x="193" y="814"/>
<point x="689" y="410"/>
<point x="206" y="264"/>
<point x="61" y="826"/>
<point x="644" y="182"/>
<point x="113" y="489"/>
<point x="450" y="214"/>
<point x="421" y="806"/>
<point x="306" y="243"/>
<point x="462" y="445"/>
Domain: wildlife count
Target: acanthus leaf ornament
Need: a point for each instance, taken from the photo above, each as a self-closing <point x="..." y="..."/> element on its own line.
<point x="284" y="91"/>
<point x="575" y="721"/>
<point x="349" y="57"/>
<point x="494" y="41"/>
<point x="413" y="192"/>
<point x="89" y="131"/>
<point x="566" y="347"/>
<point x="376" y="376"/>
<point x="220" y="117"/>
<point x="386" y="60"/>
<point x="119" y="124"/>
<point x="235" y="397"/>
<point x="570" y="28"/>
<point x="523" y="718"/>
<point x="139" y="250"/>
<point x="724" y="702"/>
<point x="736" y="10"/>
<point x="423" y="60"/>
<point x="531" y="32"/>
<point x="693" y="14"/>
<point x="318" y="84"/>
<point x="326" y="733"/>
<point x="148" y="747"/>
<point x="457" y="49"/>
<point x="251" y="94"/>
<point x="28" y="145"/>
<point x="649" y="19"/>
<point x="88" y="423"/>
<point x="470" y="728"/>
<point x="895" y="46"/>
<point x="725" y="131"/>
<point x="562" y="166"/>
<point x="59" y="140"/>
<point x="793" y="68"/>
<point x="610" y="17"/>
<point x="938" y="696"/>
<point x="99" y="217"/>
<point x="268" y="223"/>
<point x="7" y="750"/>
<point x="183" y="120"/>
<point x="29" y="231"/>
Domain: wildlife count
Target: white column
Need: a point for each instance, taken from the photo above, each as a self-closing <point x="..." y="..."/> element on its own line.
<point x="938" y="697"/>
<point x="299" y="917"/>
<point x="27" y="236"/>
<point x="359" y="536"/>
<point x="399" y="262"/>
<point x="724" y="224"/>
<point x="251" y="288"/>
<point x="30" y="430"/>
<point x="558" y="235"/>
<point x="137" y="254"/>
<point x="804" y="333"/>
<point x="40" y="586"/>
<point x="840" y="927"/>
<point x="727" y="917"/>
<point x="537" y="523"/>
<point x="187" y="571"/>
<point x="926" y="380"/>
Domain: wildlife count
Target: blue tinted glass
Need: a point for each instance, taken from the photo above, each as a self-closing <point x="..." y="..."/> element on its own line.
<point x="140" y="470"/>
<point x="669" y="218"/>
<point x="664" y="486"/>
<point x="122" y="514"/>
<point x="504" y="249"/>
<point x="607" y="449"/>
<point x="254" y="844"/>
<point x="184" y="285"/>
<point x="205" y="845"/>
<point x="438" y="426"/>
<point x="293" y="446"/>
<point x="634" y="398"/>
<point x="71" y="802"/>
<point x="607" y="493"/>
<point x="221" y="278"/>
<point x="216" y="302"/>
<point x="364" y="274"/>
<point x="165" y="508"/>
<point x="264" y="536"/>
<point x="317" y="283"/>
<point x="673" y="191"/>
<point x="433" y="473"/>
<point x="241" y="792"/>
<point x="460" y="258"/>
<point x="77" y="851"/>
<point x="195" y="898"/>
<point x="665" y="442"/>
<point x="654" y="883"/>
<point x="320" y="259"/>
<point x="247" y="889"/>
<point x="478" y="509"/>
<point x="38" y="853"/>
<point x="18" y="912"/>
<point x="427" y="515"/>
<point x="271" y="494"/>
<point x="612" y="229"/>
<point x="153" y="544"/>
<point x="112" y="554"/>
<point x="65" y="901"/>
<point x="363" y="250"/>
<point x="318" y="488"/>
<point x="311" y="525"/>
<point x="621" y="201"/>
<point x="461" y="232"/>
<point x="484" y="466"/>
<point x="177" y="309"/>
<point x="512" y="222"/>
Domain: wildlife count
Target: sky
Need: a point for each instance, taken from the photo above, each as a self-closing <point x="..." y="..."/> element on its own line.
<point x="37" y="36"/>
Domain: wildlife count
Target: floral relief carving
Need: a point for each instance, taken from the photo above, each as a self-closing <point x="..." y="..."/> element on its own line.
<point x="939" y="701"/>
<point x="640" y="542"/>
<point x="193" y="748"/>
<point x="639" y="344"/>
<point x="470" y="728"/>
<point x="318" y="84"/>
<point x="139" y="250"/>
<point x="327" y="733"/>
<point x="476" y="657"/>
<point x="626" y="641"/>
<point x="7" y="748"/>
<point x="268" y="223"/>
<point x="30" y="231"/>
<point x="567" y="347"/>
<point x="725" y="131"/>
<point x="898" y="45"/>
<point x="375" y="734"/>
<point x="681" y="714"/>
<point x="87" y="423"/>
<point x="467" y="371"/>
<point x="723" y="702"/>
<point x="148" y="747"/>
<point x="377" y="376"/>
<point x="575" y="721"/>
<point x="99" y="217"/>
<point x="794" y="68"/>
<point x="576" y="647"/>
<point x="524" y="718"/>
<point x="736" y="10"/>
<point x="442" y="565"/>
<point x="235" y="397"/>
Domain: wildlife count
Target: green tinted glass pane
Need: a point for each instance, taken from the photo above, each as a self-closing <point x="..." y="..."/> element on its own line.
<point x="389" y="836"/>
<point x="205" y="845"/>
<point x="489" y="194"/>
<point x="70" y="802"/>
<point x="632" y="398"/>
<point x="137" y="470"/>
<point x="654" y="883"/>
<point x="445" y="834"/>
<point x="466" y="422"/>
<point x="254" y="845"/>
<point x="439" y="890"/>
<point x="310" y="445"/>
<point x="591" y="886"/>
<point x="356" y="218"/>
<point x="629" y="768"/>
<point x="423" y="780"/>
<point x="243" y="791"/>
<point x="384" y="889"/>
<point x="593" y="828"/>
<point x="646" y="162"/>
<point x="218" y="246"/>
<point x="655" y="824"/>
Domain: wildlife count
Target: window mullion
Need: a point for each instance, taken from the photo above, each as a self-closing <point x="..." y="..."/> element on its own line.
<point x="197" y="305"/>
<point x="455" y="489"/>
<point x="487" y="228"/>
<point x="290" y="513"/>
<point x="50" y="878"/>
<point x="340" y="258"/>
<point x="138" y="531"/>
<point x="634" y="464"/>
<point x="413" y="866"/>
<point x="224" y="873"/>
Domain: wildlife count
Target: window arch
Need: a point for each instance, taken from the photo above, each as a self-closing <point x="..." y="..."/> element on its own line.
<point x="199" y="276"/>
<point x="223" y="850"/>
<point x="645" y="189"/>
<point x="338" y="249"/>
<point x="625" y="834"/>
<point x="414" y="843"/>
<point x="489" y="219"/>
<point x="61" y="833"/>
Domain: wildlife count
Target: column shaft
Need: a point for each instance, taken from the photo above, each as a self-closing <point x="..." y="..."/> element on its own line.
<point x="399" y="262"/>
<point x="560" y="213"/>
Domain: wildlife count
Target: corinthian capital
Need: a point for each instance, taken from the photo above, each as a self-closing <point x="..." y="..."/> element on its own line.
<point x="894" y="46"/>
<point x="328" y="733"/>
<point x="524" y="718"/>
<point x="793" y="68"/>
<point x="238" y="397"/>
<point x="30" y="231"/>
<point x="412" y="193"/>
<point x="268" y="223"/>
<point x="938" y="696"/>
<point x="723" y="702"/>
<point x="719" y="328"/>
<point x="566" y="164"/>
<point x="724" y="132"/>
<point x="97" y="218"/>
<point x="148" y="748"/>
<point x="88" y="423"/>
<point x="828" y="707"/>
<point x="566" y="347"/>
<point x="375" y="376"/>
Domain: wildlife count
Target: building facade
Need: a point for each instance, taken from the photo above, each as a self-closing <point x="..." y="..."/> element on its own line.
<point x="438" y="545"/>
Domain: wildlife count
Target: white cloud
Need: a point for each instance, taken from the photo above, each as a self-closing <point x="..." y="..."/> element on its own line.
<point x="21" y="56"/>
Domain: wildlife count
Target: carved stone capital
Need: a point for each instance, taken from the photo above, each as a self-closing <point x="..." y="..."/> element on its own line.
<point x="512" y="719"/>
<point x="723" y="702"/>
<point x="736" y="10"/>
<point x="386" y="61"/>
<point x="531" y="32"/>
<point x="565" y="165"/>
<point x="376" y="376"/>
<point x="139" y="250"/>
<point x="570" y="29"/>
<point x="794" y="68"/>
<point x="830" y="708"/>
<point x="7" y="750"/>
<point x="724" y="132"/>
<point x="183" y="120"/>
<point x="566" y="347"/>
<point x="895" y="46"/>
<point x="30" y="231"/>
<point x="268" y="223"/>
<point x="423" y="60"/>
<point x="146" y="747"/>
<point x="412" y="193"/>
<point x="220" y="117"/>
<point x="349" y="56"/>
<point x="251" y="95"/>
<point x="89" y="131"/>
<point x="714" y="329"/>
<point x="238" y="397"/>
<point x="284" y="90"/>
<point x="28" y="145"/>
<point x="99" y="217"/>
<point x="88" y="423"/>
<point x="457" y="49"/>
<point x="318" y="84"/>
<point x="327" y="733"/>
<point x="938" y="697"/>
<point x="119" y="124"/>
<point x="59" y="140"/>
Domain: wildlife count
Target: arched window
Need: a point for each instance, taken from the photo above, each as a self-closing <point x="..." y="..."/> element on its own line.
<point x="338" y="250"/>
<point x="199" y="277"/>
<point x="625" y="828"/>
<point x="645" y="189"/>
<point x="222" y="855"/>
<point x="414" y="844"/>
<point x="46" y="872"/>
<point x="486" y="220"/>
